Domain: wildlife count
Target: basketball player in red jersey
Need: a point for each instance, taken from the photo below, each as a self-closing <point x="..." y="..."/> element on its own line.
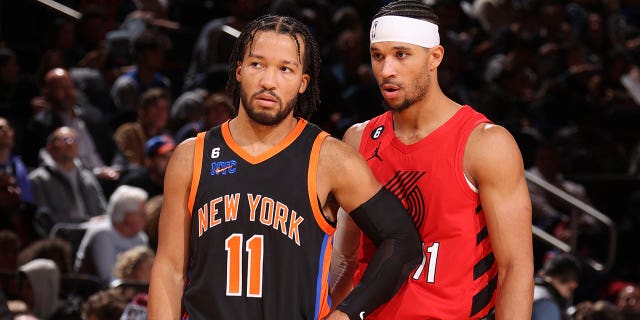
<point x="245" y="230"/>
<point x="459" y="176"/>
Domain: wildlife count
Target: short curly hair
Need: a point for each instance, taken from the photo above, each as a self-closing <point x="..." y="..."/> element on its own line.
<point x="128" y="261"/>
<point x="104" y="305"/>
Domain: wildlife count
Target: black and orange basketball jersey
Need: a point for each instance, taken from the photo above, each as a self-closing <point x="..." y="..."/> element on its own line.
<point x="260" y="246"/>
<point x="458" y="275"/>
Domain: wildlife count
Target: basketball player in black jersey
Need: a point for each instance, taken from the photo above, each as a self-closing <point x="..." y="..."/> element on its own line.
<point x="246" y="227"/>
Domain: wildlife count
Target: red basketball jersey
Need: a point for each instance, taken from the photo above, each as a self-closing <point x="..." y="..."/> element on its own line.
<point x="458" y="275"/>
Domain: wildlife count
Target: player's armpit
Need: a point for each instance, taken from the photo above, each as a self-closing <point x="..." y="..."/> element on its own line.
<point x="384" y="220"/>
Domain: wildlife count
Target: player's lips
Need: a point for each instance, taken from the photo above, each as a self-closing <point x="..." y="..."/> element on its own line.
<point x="266" y="99"/>
<point x="390" y="91"/>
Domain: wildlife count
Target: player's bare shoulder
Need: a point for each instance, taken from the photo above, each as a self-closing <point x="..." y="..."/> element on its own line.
<point x="333" y="149"/>
<point x="340" y="162"/>
<point x="185" y="150"/>
<point x="354" y="134"/>
<point x="491" y="147"/>
<point x="181" y="161"/>
<point x="488" y="136"/>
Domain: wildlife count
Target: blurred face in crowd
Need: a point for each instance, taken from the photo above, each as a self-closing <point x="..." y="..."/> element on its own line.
<point x="153" y="58"/>
<point x="565" y="287"/>
<point x="63" y="146"/>
<point x="9" y="193"/>
<point x="217" y="110"/>
<point x="135" y="220"/>
<point x="157" y="164"/>
<point x="629" y="299"/>
<point x="59" y="89"/>
<point x="6" y="134"/>
<point x="156" y="116"/>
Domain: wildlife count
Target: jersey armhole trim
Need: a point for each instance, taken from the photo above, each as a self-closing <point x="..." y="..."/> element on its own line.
<point x="471" y="190"/>
<point x="197" y="169"/>
<point x="471" y="186"/>
<point x="313" y="187"/>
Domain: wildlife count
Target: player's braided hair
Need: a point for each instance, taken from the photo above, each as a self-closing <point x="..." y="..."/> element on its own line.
<point x="307" y="101"/>
<point x="416" y="9"/>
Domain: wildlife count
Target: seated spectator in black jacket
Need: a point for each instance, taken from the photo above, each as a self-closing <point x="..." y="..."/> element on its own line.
<point x="157" y="152"/>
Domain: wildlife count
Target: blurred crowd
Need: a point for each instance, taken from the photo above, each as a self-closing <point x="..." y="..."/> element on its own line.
<point x="93" y="101"/>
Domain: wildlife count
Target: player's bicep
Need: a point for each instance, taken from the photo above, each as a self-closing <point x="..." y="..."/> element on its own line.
<point x="346" y="174"/>
<point x="173" y="229"/>
<point x="503" y="192"/>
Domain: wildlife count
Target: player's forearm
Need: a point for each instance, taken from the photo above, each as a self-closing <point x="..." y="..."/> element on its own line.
<point x="344" y="260"/>
<point x="515" y="292"/>
<point x="398" y="251"/>
<point x="342" y="271"/>
<point x="165" y="294"/>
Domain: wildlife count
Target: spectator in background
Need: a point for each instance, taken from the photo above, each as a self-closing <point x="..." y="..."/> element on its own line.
<point x="554" y="287"/>
<point x="9" y="248"/>
<point x="548" y="210"/>
<point x="598" y="310"/>
<point x="12" y="164"/>
<point x="93" y="25"/>
<point x="132" y="271"/>
<point x="149" y="51"/>
<point x="150" y="177"/>
<point x="17" y="204"/>
<point x="64" y="190"/>
<point x="153" y="207"/>
<point x="134" y="264"/>
<point x="59" y="108"/>
<point x="103" y="242"/>
<point x="153" y="117"/>
<point x="54" y="249"/>
<point x="215" y="110"/>
<point x="188" y="106"/>
<point x="104" y="305"/>
<point x="628" y="301"/>
<point x="63" y="51"/>
<point x="15" y="214"/>
<point x="40" y="287"/>
<point x="216" y="38"/>
<point x="9" y="72"/>
<point x="16" y="92"/>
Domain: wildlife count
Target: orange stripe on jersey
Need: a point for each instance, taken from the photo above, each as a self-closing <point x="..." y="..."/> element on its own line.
<point x="313" y="188"/>
<point x="325" y="308"/>
<point x="197" y="167"/>
<point x="288" y="140"/>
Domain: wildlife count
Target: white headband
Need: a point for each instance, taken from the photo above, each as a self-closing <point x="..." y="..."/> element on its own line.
<point x="402" y="29"/>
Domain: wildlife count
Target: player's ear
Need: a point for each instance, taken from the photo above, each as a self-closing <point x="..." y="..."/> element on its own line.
<point x="435" y="57"/>
<point x="304" y="83"/>
<point x="238" y="69"/>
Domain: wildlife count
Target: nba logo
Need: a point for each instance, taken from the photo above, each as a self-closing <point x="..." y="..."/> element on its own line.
<point x="373" y="29"/>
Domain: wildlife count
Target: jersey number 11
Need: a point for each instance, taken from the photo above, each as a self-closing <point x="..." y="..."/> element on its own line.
<point x="433" y="258"/>
<point x="255" y="252"/>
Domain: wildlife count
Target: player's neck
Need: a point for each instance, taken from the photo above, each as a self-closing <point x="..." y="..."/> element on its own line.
<point x="256" y="138"/>
<point x="422" y="118"/>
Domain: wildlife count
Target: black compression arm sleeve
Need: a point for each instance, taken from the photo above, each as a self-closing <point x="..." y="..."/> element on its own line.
<point x="385" y="221"/>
